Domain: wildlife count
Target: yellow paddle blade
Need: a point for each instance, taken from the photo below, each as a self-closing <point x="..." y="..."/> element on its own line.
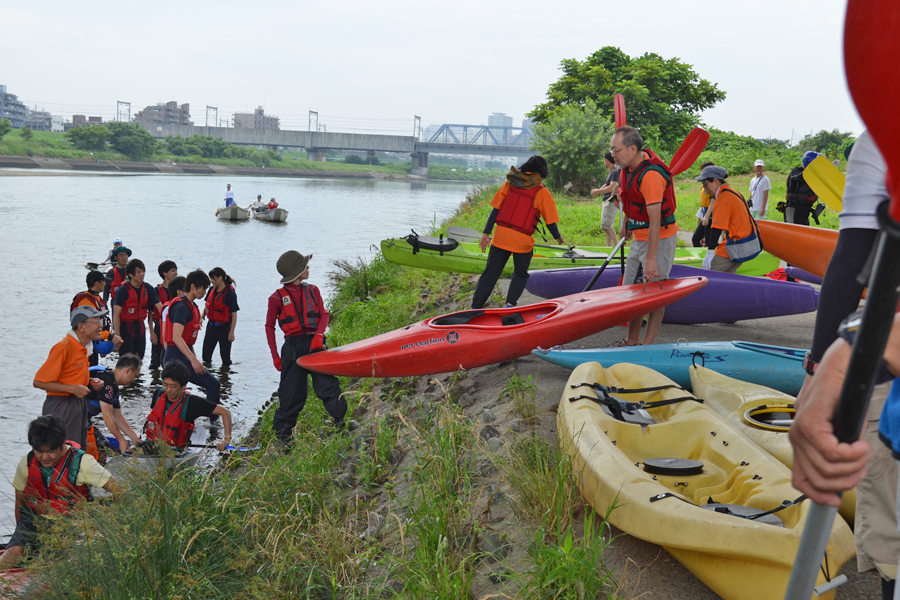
<point x="826" y="181"/>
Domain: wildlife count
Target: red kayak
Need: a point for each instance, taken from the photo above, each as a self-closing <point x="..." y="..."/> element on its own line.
<point x="474" y="338"/>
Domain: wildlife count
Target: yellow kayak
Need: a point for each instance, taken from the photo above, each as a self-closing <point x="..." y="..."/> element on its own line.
<point x="758" y="412"/>
<point x="680" y="476"/>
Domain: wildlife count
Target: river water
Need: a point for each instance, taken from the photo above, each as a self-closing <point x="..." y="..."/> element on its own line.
<point x="51" y="225"/>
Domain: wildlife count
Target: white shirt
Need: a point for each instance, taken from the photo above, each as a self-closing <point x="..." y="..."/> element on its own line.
<point x="865" y="187"/>
<point x="758" y="188"/>
<point x="257" y="204"/>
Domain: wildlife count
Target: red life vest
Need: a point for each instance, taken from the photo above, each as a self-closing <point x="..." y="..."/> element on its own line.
<point x="119" y="277"/>
<point x="166" y="421"/>
<point x="164" y="297"/>
<point x="135" y="307"/>
<point x="62" y="493"/>
<point x="518" y="212"/>
<point x="190" y="329"/>
<point x="272" y="205"/>
<point x="294" y="322"/>
<point x="94" y="299"/>
<point x="629" y="191"/>
<point x="216" y="309"/>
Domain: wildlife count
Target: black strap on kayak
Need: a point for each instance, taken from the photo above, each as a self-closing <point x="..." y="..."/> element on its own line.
<point x="607" y="399"/>
<point x="698" y="354"/>
<point x="727" y="511"/>
<point x="611" y="389"/>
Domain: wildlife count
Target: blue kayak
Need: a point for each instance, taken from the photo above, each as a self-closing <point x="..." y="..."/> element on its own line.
<point x="771" y="366"/>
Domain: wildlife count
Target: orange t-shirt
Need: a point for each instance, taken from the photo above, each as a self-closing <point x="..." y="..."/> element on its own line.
<point x="67" y="363"/>
<point x="652" y="188"/>
<point x="515" y="241"/>
<point x="731" y="216"/>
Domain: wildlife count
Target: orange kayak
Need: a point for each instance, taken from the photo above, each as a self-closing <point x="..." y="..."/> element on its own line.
<point x="809" y="248"/>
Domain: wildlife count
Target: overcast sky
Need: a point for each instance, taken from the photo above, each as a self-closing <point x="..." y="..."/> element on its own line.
<point x="372" y="66"/>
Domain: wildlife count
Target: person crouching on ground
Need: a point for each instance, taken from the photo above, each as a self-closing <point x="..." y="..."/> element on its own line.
<point x="65" y="375"/>
<point x="301" y="314"/>
<point x="52" y="478"/>
<point x="648" y="199"/>
<point x="174" y="410"/>
<point x="105" y="401"/>
<point x="221" y="309"/>
<point x="517" y="207"/>
<point x="732" y="216"/>
<point x="180" y="328"/>
<point x="91" y="297"/>
<point x="133" y="304"/>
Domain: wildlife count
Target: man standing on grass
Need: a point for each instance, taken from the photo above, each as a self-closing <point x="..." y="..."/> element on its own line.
<point x="648" y="199"/>
<point x="610" y="200"/>
<point x="759" y="191"/>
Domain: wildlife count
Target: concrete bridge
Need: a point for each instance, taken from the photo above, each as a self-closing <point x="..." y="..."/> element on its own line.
<point x="317" y="142"/>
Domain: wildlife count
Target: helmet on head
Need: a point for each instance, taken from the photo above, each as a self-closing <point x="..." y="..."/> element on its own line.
<point x="809" y="156"/>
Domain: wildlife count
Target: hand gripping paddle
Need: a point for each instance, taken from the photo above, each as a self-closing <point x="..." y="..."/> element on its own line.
<point x="871" y="47"/>
<point x="826" y="181"/>
<point x="619" y="104"/>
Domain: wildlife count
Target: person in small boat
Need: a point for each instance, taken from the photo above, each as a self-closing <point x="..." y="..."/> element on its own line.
<point x="91" y="297"/>
<point x="258" y="204"/>
<point x="221" y="309"/>
<point x="116" y="243"/>
<point x="181" y="325"/>
<point x="65" y="375"/>
<point x="132" y="306"/>
<point x="732" y="216"/>
<point x="229" y="196"/>
<point x="116" y="276"/>
<point x="518" y="206"/>
<point x="301" y="314"/>
<point x="173" y="410"/>
<point x="53" y="478"/>
<point x="272" y="205"/>
<point x="105" y="401"/>
<point x="168" y="271"/>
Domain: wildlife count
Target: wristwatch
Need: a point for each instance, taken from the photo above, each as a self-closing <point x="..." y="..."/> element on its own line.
<point x="810" y="365"/>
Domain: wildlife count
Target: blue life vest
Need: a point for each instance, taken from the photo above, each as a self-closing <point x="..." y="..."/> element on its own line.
<point x="889" y="425"/>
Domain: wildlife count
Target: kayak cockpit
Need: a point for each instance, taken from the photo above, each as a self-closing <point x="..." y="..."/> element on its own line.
<point x="498" y="317"/>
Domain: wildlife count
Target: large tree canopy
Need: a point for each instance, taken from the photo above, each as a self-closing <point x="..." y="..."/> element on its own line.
<point x="663" y="97"/>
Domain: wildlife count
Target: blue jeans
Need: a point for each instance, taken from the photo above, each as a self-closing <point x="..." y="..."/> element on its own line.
<point x="206" y="381"/>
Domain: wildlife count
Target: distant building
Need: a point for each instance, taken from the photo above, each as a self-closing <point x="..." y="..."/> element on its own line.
<point x="500" y="120"/>
<point x="528" y="124"/>
<point x="255" y="120"/>
<point x="11" y="108"/>
<point x="79" y="120"/>
<point x="38" y="120"/>
<point x="57" y="123"/>
<point x="168" y="113"/>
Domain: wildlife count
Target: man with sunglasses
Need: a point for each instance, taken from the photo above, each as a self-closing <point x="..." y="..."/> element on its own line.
<point x="648" y="197"/>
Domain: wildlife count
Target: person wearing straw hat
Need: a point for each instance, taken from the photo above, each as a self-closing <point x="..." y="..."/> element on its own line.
<point x="300" y="312"/>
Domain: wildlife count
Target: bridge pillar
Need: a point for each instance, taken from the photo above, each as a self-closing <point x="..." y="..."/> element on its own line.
<point x="315" y="154"/>
<point x="419" y="163"/>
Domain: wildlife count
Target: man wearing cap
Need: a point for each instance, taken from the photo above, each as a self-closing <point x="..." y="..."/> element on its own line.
<point x="91" y="297"/>
<point x="731" y="216"/>
<point x="229" y="196"/>
<point x="301" y="314"/>
<point x="65" y="375"/>
<point x="258" y="204"/>
<point x="759" y="191"/>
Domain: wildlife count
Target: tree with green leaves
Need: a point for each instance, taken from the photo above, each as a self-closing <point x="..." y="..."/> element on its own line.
<point x="5" y="127"/>
<point x="663" y="97"/>
<point x="831" y="143"/>
<point x="89" y="137"/>
<point x="131" y="140"/>
<point x="26" y="134"/>
<point x="574" y="139"/>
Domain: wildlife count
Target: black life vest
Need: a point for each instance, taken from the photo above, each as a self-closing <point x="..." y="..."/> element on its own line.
<point x="518" y="211"/>
<point x="635" y="206"/>
<point x="798" y="191"/>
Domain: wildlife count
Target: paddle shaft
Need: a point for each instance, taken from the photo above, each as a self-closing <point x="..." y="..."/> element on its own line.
<point x="229" y="447"/>
<point x="609" y="258"/>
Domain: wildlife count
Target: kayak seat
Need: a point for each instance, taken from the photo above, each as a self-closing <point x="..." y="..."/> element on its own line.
<point x="441" y="244"/>
<point x="513" y="319"/>
<point x="460" y="318"/>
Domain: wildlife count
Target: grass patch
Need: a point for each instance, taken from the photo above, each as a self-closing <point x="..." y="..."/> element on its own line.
<point x="522" y="392"/>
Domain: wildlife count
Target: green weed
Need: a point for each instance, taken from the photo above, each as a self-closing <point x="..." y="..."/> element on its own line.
<point x="522" y="392"/>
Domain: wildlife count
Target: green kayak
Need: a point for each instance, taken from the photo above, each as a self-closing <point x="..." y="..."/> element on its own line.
<point x="447" y="254"/>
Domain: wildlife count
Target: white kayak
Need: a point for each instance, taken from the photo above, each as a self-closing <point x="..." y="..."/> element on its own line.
<point x="275" y="215"/>
<point x="233" y="213"/>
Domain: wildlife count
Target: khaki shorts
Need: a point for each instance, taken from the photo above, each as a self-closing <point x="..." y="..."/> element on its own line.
<point x="610" y="212"/>
<point x="724" y="265"/>
<point x="665" y="256"/>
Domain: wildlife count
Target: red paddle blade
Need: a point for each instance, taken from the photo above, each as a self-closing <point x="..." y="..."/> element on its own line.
<point x="871" y="47"/>
<point x="689" y="151"/>
<point x="619" y="103"/>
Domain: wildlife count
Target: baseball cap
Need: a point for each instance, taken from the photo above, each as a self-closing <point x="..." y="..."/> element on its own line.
<point x="83" y="313"/>
<point x="118" y="241"/>
<point x="712" y="172"/>
<point x="759" y="163"/>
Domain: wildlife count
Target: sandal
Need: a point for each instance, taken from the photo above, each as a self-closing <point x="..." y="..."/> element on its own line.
<point x="621" y="344"/>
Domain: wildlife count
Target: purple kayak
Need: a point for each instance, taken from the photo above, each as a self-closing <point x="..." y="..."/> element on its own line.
<point x="798" y="273"/>
<point x="727" y="298"/>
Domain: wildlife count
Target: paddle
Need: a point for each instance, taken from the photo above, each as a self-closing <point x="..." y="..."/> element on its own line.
<point x="619" y="104"/>
<point x="826" y="181"/>
<point x="603" y="266"/>
<point x="229" y="447"/>
<point x="871" y="44"/>
<point x="689" y="151"/>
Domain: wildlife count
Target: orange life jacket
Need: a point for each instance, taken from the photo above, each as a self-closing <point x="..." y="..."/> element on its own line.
<point x="166" y="421"/>
<point x="518" y="211"/>
<point x="297" y="322"/>
<point x="164" y="298"/>
<point x="190" y="329"/>
<point x="95" y="300"/>
<point x="61" y="494"/>
<point x="635" y="206"/>
<point x="135" y="307"/>
<point x="216" y="309"/>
